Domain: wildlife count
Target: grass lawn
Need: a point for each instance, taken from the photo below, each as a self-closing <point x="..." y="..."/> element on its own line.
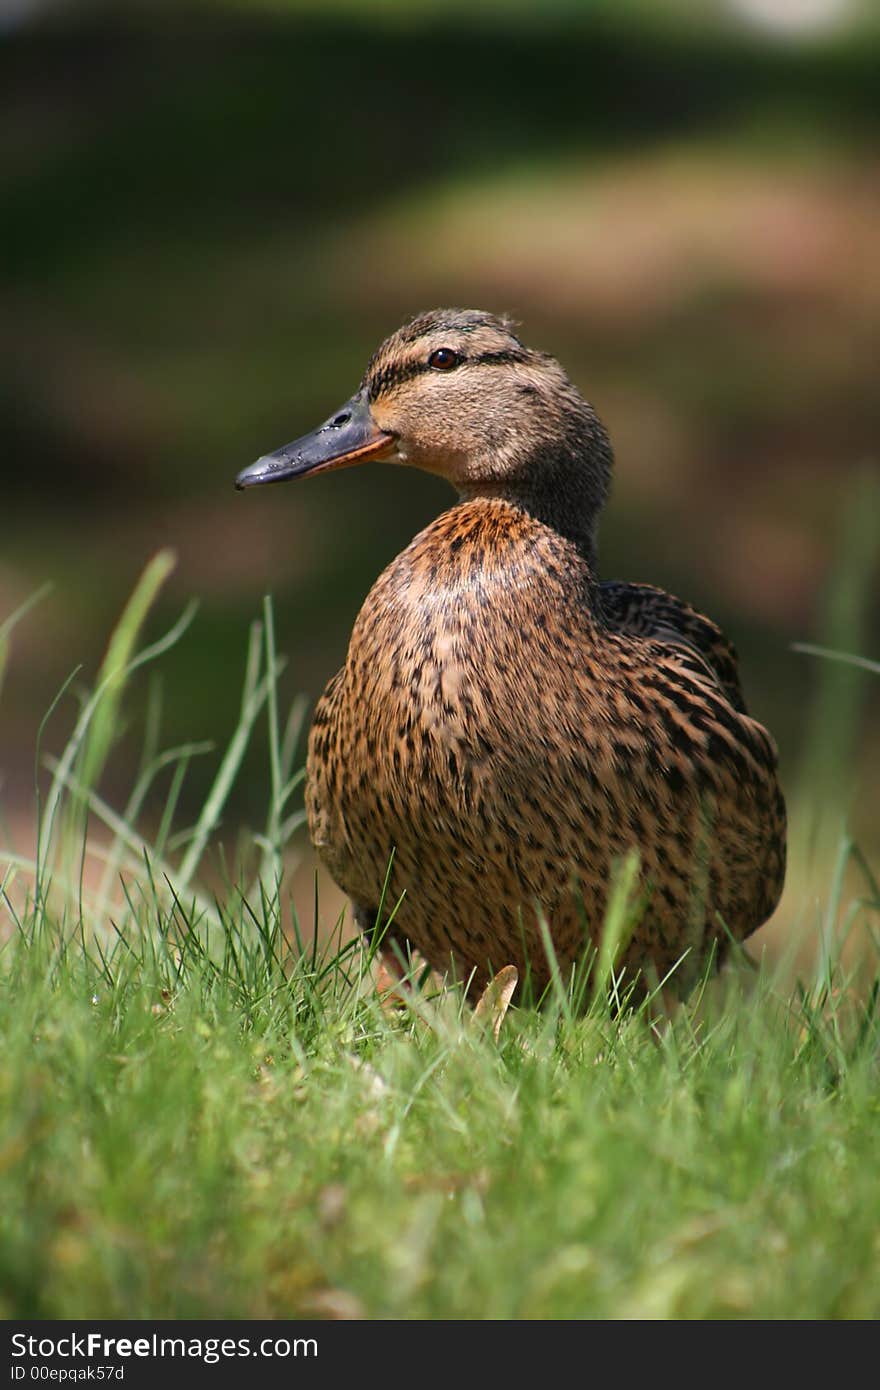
<point x="199" y="1120"/>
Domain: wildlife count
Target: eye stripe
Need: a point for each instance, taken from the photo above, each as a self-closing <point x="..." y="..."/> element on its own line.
<point x="502" y="356"/>
<point x="394" y="374"/>
<point x="387" y="377"/>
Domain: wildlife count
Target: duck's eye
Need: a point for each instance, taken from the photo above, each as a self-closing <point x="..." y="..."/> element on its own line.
<point x="444" y="359"/>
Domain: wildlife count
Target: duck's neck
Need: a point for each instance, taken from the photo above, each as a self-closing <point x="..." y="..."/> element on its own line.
<point x="564" y="497"/>
<point x="560" y="475"/>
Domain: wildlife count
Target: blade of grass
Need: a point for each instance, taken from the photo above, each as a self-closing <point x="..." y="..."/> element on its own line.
<point x="847" y="658"/>
<point x="271" y="867"/>
<point x="116" y="667"/>
<point x="65" y="763"/>
<point x="254" y="696"/>
<point x="833" y="726"/>
<point x="621" y="916"/>
<point x="179" y="759"/>
<point x="13" y="620"/>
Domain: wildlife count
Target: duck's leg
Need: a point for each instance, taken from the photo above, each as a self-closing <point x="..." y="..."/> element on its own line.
<point x="389" y="970"/>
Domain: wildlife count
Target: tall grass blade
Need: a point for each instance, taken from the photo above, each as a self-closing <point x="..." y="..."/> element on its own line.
<point x="834" y="723"/>
<point x="13" y="620"/>
<point x="271" y="870"/>
<point x="116" y="667"/>
<point x="65" y="763"/>
<point x="621" y="916"/>
<point x="863" y="662"/>
<point x="254" y="696"/>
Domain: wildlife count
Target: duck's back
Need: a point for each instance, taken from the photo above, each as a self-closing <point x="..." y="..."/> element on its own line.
<point x="641" y="610"/>
<point x="501" y="733"/>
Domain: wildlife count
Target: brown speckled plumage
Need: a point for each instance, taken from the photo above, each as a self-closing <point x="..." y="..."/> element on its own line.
<point x="506" y="726"/>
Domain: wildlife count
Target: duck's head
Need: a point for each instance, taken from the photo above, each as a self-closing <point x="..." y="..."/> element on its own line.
<point x="456" y="393"/>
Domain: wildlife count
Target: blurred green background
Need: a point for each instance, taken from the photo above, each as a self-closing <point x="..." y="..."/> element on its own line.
<point x="213" y="212"/>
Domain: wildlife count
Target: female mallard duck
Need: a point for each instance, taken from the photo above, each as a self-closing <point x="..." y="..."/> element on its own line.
<point x="505" y="727"/>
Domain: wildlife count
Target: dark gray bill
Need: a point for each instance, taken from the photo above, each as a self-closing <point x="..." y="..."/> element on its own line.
<point x="349" y="436"/>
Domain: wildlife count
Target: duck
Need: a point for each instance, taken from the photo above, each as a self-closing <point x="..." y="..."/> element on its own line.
<point x="507" y="728"/>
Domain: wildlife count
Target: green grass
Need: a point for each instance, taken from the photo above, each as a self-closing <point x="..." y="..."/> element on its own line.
<point x="200" y="1119"/>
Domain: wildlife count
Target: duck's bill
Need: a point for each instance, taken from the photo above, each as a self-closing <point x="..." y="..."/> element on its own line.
<point x="350" y="436"/>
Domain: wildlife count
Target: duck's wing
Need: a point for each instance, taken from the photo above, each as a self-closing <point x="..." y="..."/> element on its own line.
<point x="643" y="611"/>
